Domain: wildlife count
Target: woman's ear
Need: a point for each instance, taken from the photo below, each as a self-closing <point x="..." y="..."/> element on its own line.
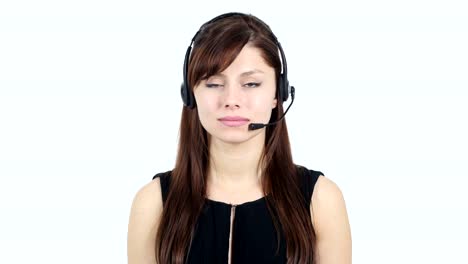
<point x="275" y="102"/>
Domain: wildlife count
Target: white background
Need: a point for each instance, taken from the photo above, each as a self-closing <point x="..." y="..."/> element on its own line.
<point x="90" y="109"/>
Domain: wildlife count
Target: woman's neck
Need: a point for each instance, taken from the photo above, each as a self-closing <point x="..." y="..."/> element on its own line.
<point x="235" y="166"/>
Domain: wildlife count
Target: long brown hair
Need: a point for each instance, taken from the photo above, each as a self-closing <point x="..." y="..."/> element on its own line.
<point x="215" y="48"/>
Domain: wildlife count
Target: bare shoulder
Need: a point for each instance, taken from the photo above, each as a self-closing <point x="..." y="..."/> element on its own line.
<point x="326" y="195"/>
<point x="143" y="223"/>
<point x="331" y="223"/>
<point x="148" y="198"/>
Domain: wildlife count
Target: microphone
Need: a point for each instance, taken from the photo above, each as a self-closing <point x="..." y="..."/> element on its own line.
<point x="255" y="126"/>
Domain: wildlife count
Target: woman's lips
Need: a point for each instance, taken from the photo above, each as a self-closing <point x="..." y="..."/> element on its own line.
<point x="234" y="121"/>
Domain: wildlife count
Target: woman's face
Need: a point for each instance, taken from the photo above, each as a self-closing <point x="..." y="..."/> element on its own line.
<point x="246" y="90"/>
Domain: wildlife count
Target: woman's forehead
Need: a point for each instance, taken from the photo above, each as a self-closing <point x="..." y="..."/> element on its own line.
<point x="248" y="62"/>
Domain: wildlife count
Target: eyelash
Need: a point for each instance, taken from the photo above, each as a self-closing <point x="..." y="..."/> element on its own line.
<point x="253" y="83"/>
<point x="212" y="85"/>
<point x="249" y="85"/>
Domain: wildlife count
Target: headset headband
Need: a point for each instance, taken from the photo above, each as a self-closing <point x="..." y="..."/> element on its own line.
<point x="186" y="93"/>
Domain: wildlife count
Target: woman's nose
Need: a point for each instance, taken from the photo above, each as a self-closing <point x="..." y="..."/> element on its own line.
<point x="232" y="96"/>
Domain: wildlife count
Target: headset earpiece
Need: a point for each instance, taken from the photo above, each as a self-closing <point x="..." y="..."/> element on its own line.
<point x="283" y="87"/>
<point x="186" y="96"/>
<point x="185" y="91"/>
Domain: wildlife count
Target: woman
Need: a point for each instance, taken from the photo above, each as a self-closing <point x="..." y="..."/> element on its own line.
<point x="235" y="195"/>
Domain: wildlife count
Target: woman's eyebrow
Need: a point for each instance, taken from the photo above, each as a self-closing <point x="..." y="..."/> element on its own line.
<point x="244" y="74"/>
<point x="247" y="73"/>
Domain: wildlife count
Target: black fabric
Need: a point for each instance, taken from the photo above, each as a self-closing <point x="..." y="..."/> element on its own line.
<point x="254" y="236"/>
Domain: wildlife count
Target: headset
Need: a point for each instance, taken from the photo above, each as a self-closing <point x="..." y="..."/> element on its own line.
<point x="283" y="84"/>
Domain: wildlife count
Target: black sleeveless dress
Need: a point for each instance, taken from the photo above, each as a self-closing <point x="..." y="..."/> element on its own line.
<point x="253" y="238"/>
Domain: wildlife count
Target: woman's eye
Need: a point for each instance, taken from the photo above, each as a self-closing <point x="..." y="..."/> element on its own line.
<point x="212" y="85"/>
<point x="252" y="84"/>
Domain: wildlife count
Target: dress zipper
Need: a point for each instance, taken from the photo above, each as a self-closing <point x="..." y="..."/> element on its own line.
<point x="233" y="213"/>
